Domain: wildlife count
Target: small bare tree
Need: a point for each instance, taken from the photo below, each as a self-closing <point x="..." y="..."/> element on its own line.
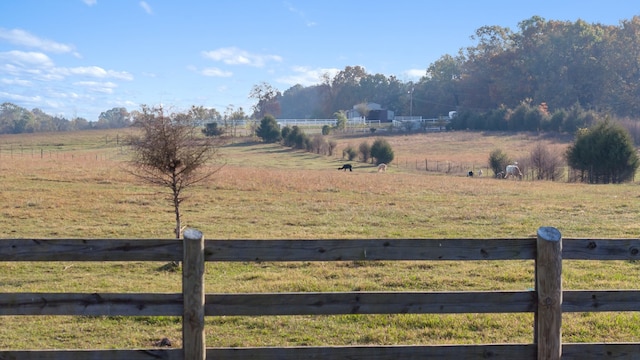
<point x="545" y="163"/>
<point x="170" y="151"/>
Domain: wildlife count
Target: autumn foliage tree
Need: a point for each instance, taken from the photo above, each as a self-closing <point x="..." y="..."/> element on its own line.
<point x="170" y="151"/>
<point x="267" y="97"/>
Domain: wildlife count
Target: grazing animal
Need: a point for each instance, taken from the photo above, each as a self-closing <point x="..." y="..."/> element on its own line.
<point x="470" y="173"/>
<point x="346" y="167"/>
<point x="382" y="167"/>
<point x="513" y="170"/>
<point x="480" y="172"/>
<point x="500" y="175"/>
<point x="164" y="342"/>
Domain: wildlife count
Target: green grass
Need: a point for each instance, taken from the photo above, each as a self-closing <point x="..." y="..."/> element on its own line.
<point x="267" y="192"/>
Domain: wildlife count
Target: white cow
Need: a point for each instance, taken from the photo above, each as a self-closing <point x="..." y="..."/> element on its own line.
<point x="513" y="170"/>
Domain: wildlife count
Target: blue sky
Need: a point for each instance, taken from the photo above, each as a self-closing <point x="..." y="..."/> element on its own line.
<point x="82" y="57"/>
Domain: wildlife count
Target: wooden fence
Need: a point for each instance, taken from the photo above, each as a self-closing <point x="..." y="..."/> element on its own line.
<point x="547" y="301"/>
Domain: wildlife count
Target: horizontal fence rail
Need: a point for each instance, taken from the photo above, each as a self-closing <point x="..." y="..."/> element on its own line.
<point x="194" y="304"/>
<point x="417" y="352"/>
<point x="311" y="250"/>
<point x="310" y="303"/>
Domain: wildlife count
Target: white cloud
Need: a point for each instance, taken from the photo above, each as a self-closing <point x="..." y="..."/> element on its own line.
<point x="16" y="97"/>
<point x="306" y="76"/>
<point x="90" y="2"/>
<point x="96" y="86"/>
<point x="146" y="7"/>
<point x="415" y="73"/>
<point x="215" y="72"/>
<point x="130" y="104"/>
<point x="26" y="58"/>
<point x="235" y="56"/>
<point x="24" y="38"/>
<point x="94" y="71"/>
<point x="18" y="82"/>
<point x="36" y="66"/>
<point x="69" y="95"/>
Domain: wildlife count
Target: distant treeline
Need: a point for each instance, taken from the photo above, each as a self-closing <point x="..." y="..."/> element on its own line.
<point x="547" y="75"/>
<point x="18" y="120"/>
<point x="567" y="70"/>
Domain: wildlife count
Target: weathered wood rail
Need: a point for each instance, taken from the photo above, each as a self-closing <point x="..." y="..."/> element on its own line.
<point x="547" y="301"/>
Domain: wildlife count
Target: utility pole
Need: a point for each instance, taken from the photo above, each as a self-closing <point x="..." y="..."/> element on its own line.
<point x="411" y="103"/>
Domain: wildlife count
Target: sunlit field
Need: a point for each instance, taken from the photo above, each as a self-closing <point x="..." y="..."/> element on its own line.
<point x="79" y="185"/>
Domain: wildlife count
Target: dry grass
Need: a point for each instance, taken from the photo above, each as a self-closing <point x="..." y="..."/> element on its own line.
<point x="82" y="191"/>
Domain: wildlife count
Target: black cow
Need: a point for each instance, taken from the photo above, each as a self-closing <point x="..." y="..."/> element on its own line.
<point x="346" y="167"/>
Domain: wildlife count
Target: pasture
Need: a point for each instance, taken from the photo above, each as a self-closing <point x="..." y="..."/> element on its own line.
<point x="75" y="186"/>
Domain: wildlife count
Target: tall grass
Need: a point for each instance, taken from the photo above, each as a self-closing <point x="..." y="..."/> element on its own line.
<point x="268" y="192"/>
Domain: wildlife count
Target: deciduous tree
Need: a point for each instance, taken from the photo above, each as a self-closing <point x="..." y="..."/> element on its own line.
<point x="267" y="97"/>
<point x="170" y="151"/>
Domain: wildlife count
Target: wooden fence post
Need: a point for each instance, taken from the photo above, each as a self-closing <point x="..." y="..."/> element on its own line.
<point x="549" y="288"/>
<point x="193" y="343"/>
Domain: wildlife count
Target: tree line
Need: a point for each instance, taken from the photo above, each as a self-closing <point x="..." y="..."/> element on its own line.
<point x="18" y="120"/>
<point x="564" y="69"/>
<point x="547" y="75"/>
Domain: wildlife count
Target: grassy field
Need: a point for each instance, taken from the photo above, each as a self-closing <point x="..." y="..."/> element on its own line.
<point x="77" y="186"/>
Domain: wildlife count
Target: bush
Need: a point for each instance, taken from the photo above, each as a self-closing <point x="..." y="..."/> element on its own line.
<point x="381" y="151"/>
<point x="319" y="145"/>
<point x="498" y="161"/>
<point x="326" y="130"/>
<point x="341" y="120"/>
<point x="212" y="129"/>
<point x="332" y="147"/>
<point x="285" y="132"/>
<point x="297" y="139"/>
<point x="365" y="151"/>
<point x="350" y="153"/>
<point x="604" y="154"/>
<point x="268" y="130"/>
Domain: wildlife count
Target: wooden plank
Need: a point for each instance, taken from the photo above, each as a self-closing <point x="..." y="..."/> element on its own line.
<point x="370" y="303"/>
<point x="159" y="304"/>
<point x="356" y="250"/>
<point x="91" y="304"/>
<point x="193" y="340"/>
<point x="141" y="354"/>
<point x="549" y="289"/>
<point x="599" y="351"/>
<point x="90" y="250"/>
<point x="269" y="303"/>
<point x="267" y="250"/>
<point x="600" y="249"/>
<point x="587" y="351"/>
<point x="415" y="352"/>
<point x="310" y="250"/>
<point x="600" y="300"/>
